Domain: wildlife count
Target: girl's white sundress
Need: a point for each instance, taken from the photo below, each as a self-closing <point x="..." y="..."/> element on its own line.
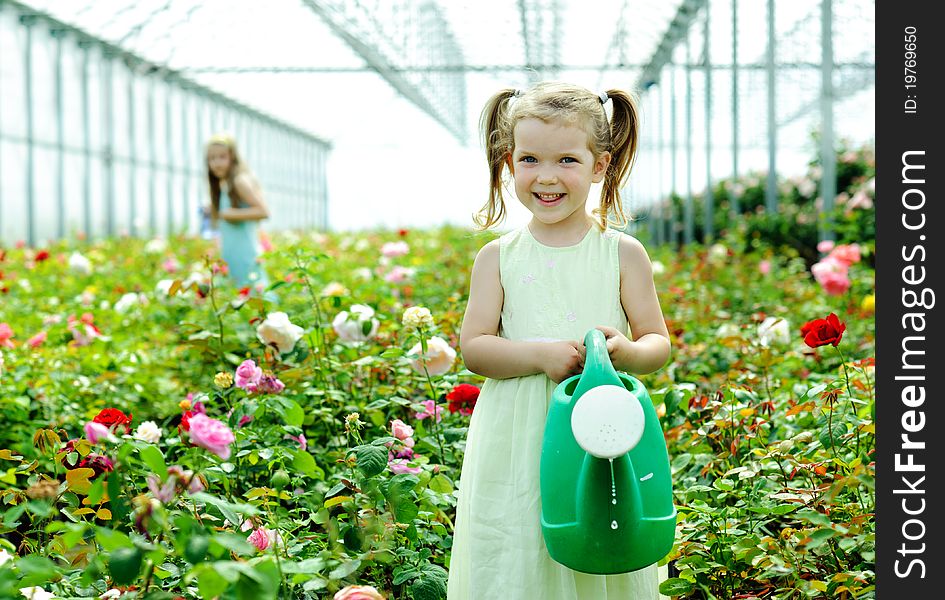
<point x="498" y="551"/>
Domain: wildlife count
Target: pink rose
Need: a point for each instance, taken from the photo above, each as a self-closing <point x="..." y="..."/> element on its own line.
<point x="248" y="375"/>
<point x="395" y="249"/>
<point x="399" y="466"/>
<point x="96" y="432"/>
<point x="262" y="538"/>
<point x="400" y="430"/>
<point x="358" y="592"/>
<point x="300" y="440"/>
<point x="428" y="406"/>
<point x="37" y="340"/>
<point x="825" y="246"/>
<point x="832" y="276"/>
<point x="5" y="334"/>
<point x="399" y="274"/>
<point x="846" y="253"/>
<point x="765" y="267"/>
<point x="268" y="384"/>
<point x="210" y="434"/>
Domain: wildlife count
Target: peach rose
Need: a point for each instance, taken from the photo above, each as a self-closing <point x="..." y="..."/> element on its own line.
<point x="439" y="357"/>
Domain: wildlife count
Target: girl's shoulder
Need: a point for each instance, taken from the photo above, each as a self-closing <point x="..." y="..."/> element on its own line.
<point x="631" y="251"/>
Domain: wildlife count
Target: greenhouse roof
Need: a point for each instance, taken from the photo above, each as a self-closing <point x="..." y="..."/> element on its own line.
<point x="283" y="57"/>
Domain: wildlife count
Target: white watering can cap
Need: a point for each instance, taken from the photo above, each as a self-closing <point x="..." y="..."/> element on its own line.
<point x="607" y="421"/>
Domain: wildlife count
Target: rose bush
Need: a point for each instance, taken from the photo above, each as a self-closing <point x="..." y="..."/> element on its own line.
<point x="771" y="445"/>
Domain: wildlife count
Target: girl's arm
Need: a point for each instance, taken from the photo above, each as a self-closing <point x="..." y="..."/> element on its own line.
<point x="489" y="355"/>
<point x="650" y="347"/>
<point x="250" y="194"/>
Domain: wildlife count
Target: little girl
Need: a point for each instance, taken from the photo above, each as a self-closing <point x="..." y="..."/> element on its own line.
<point x="233" y="186"/>
<point x="534" y="293"/>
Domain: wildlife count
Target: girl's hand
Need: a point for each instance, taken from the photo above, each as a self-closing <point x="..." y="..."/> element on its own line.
<point x="563" y="359"/>
<point x="619" y="346"/>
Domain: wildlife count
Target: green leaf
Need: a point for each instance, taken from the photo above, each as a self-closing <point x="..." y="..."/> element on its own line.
<point x="229" y="510"/>
<point x="196" y="548"/>
<point x="124" y="564"/>
<point x="294" y="415"/>
<point x="344" y="569"/>
<point x="372" y="460"/>
<point x="36" y="570"/>
<point x="210" y="583"/>
<point x="674" y="586"/>
<point x="111" y="539"/>
<point x="234" y="543"/>
<point x="401" y="497"/>
<point x="441" y="484"/>
<point x="304" y="462"/>
<point x="429" y="585"/>
<point x="152" y="457"/>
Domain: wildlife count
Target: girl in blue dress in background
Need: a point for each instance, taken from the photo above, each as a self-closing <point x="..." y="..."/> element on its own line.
<point x="236" y="206"/>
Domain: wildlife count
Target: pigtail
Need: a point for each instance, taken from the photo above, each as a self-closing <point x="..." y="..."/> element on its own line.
<point x="624" y="132"/>
<point x="498" y="145"/>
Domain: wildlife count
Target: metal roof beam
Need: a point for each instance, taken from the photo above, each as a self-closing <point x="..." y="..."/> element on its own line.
<point x="678" y="28"/>
<point x="442" y="95"/>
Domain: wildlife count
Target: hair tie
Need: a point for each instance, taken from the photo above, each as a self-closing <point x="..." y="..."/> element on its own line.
<point x="603" y="97"/>
<point x="518" y="93"/>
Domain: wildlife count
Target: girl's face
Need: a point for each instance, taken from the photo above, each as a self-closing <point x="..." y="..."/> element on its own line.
<point x="219" y="160"/>
<point x="553" y="169"/>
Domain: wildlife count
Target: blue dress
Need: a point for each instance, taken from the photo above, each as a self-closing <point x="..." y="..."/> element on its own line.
<point x="239" y="249"/>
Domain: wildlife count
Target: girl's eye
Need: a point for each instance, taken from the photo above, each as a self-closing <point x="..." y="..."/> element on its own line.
<point x="527" y="159"/>
<point x="568" y="159"/>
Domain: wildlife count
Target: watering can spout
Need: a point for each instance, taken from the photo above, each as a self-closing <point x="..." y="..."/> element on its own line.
<point x="605" y="480"/>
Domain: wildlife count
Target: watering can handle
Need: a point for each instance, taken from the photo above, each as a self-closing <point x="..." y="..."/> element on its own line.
<point x="597" y="358"/>
<point x="598" y="369"/>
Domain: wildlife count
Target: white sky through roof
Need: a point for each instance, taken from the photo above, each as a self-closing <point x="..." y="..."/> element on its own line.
<point x="393" y="165"/>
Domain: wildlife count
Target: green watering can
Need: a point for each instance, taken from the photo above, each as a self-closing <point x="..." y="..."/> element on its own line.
<point x="606" y="491"/>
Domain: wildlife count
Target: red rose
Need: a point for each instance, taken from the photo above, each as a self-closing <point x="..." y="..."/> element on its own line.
<point x="41" y="255"/>
<point x="821" y="332"/>
<point x="185" y="420"/>
<point x="462" y="398"/>
<point x="112" y="418"/>
<point x="98" y="463"/>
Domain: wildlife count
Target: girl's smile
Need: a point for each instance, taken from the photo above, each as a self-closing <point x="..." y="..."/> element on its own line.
<point x="553" y="168"/>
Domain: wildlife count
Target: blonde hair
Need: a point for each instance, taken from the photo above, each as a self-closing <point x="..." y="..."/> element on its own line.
<point x="573" y="105"/>
<point x="236" y="167"/>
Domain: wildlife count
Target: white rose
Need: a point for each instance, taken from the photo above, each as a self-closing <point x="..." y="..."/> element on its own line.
<point x="163" y="287"/>
<point x="126" y="302"/>
<point x="439" y="357"/>
<point x="36" y="593"/>
<point x="155" y="246"/>
<point x="363" y="273"/>
<point x="148" y="431"/>
<point x="658" y="267"/>
<point x="417" y="316"/>
<point x="279" y="331"/>
<point x="357" y="324"/>
<point x="79" y="264"/>
<point x="4" y="556"/>
<point x="727" y="330"/>
<point x="774" y="330"/>
<point x="335" y="289"/>
<point x="112" y="594"/>
<point x="718" y="253"/>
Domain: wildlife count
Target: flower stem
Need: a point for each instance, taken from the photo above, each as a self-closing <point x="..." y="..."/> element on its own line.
<point x="846" y="377"/>
<point x="423" y="361"/>
<point x="216" y="311"/>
